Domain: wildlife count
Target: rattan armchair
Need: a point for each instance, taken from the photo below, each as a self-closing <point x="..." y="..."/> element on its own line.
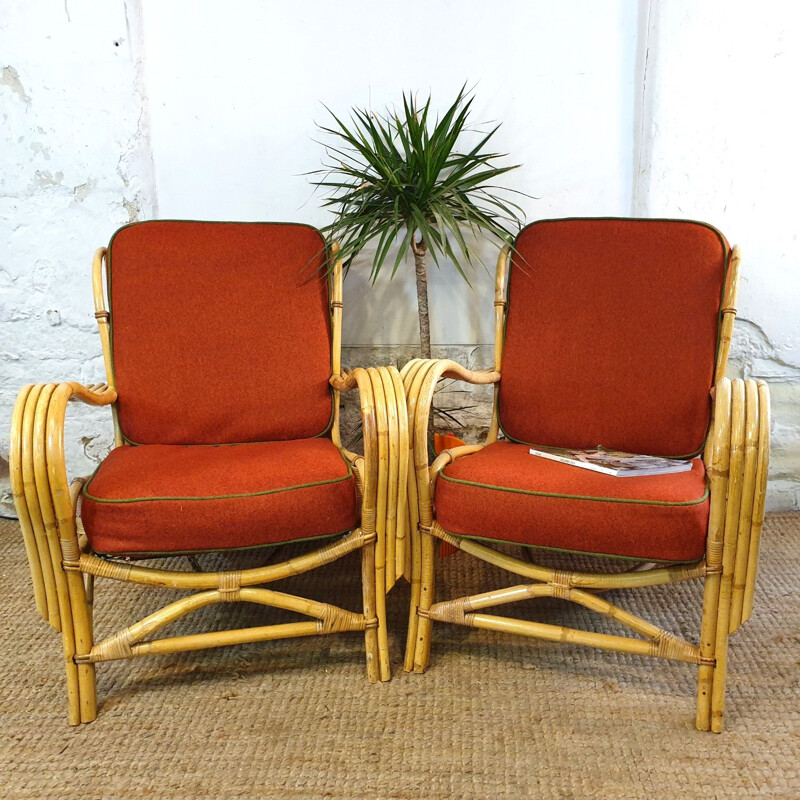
<point x="222" y="347"/>
<point x="612" y="332"/>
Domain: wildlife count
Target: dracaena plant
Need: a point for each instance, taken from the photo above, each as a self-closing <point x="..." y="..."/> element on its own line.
<point x="409" y="180"/>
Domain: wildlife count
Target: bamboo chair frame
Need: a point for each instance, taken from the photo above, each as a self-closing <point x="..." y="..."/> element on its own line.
<point x="736" y="457"/>
<point x="63" y="567"/>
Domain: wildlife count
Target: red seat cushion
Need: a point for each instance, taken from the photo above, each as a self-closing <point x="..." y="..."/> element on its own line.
<point x="220" y="332"/>
<point x="612" y="333"/>
<point x="502" y="492"/>
<point x="155" y="499"/>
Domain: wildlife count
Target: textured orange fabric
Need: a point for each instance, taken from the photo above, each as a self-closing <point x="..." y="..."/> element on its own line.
<point x="665" y="518"/>
<point x="220" y="332"/>
<point x="611" y="334"/>
<point x="168" y="498"/>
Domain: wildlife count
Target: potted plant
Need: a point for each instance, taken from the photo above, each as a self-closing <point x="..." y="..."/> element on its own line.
<point x="401" y="178"/>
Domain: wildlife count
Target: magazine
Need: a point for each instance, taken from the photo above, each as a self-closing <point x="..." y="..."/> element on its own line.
<point x="616" y="463"/>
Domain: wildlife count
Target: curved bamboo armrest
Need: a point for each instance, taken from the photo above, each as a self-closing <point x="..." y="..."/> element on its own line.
<point x="383" y="469"/>
<point x="420" y="377"/>
<point x="737" y="462"/>
<point x="39" y="485"/>
<point x="737" y="459"/>
<point x="448" y="457"/>
<point x="95" y="394"/>
<point x="451" y="369"/>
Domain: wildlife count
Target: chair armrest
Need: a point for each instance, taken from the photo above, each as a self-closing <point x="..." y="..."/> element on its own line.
<point x="95" y="394"/>
<point x="449" y="369"/>
<point x="383" y="469"/>
<point x="39" y="485"/>
<point x="737" y="462"/>
<point x="420" y="377"/>
<point x="448" y="457"/>
<point x="36" y="455"/>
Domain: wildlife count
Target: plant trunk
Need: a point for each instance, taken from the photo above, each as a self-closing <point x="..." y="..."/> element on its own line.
<point x="420" y="251"/>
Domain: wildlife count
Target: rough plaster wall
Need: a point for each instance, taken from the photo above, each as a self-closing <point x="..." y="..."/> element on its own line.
<point x="75" y="164"/>
<point x="718" y="142"/>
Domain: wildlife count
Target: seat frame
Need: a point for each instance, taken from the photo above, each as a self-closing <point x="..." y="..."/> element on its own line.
<point x="736" y="457"/>
<point x="63" y="566"/>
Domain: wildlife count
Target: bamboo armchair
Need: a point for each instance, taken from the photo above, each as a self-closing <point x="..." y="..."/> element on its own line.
<point x="474" y="495"/>
<point x="75" y="532"/>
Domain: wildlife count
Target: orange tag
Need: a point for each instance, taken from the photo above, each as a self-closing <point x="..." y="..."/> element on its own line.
<point x="446" y="441"/>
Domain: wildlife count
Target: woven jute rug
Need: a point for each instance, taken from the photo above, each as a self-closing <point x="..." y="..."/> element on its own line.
<point x="494" y="717"/>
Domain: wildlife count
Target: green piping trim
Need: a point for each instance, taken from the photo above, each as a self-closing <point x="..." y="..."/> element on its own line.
<point x="167" y="553"/>
<point x="575" y="552"/>
<point x="225" y="444"/>
<point x="576" y="496"/>
<point x="86" y="494"/>
<point x="727" y="256"/>
<point x="205" y="222"/>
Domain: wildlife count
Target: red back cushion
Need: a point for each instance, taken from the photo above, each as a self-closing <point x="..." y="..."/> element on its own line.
<point x="611" y="334"/>
<point x="220" y="332"/>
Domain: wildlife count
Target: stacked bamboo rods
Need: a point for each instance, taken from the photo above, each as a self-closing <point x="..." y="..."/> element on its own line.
<point x="45" y="507"/>
<point x="746" y="508"/>
<point x="762" y="468"/>
<point x="18" y="426"/>
<point x="383" y="479"/>
<point x="738" y="473"/>
<point x="729" y="544"/>
<point x="420" y="377"/>
<point x="382" y="473"/>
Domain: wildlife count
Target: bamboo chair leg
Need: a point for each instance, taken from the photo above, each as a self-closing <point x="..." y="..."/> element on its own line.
<point x="58" y="511"/>
<point x="719" y="453"/>
<point x="84" y="639"/>
<point x="48" y="515"/>
<point x="728" y="553"/>
<point x="424" y="623"/>
<point x="368" y="584"/>
<point x="381" y="545"/>
<point x="416" y="569"/>
<point x="89" y="584"/>
<point x="409" y="374"/>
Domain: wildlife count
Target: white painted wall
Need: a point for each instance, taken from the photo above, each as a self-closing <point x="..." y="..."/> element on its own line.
<point x="74" y="165"/>
<point x="658" y="107"/>
<point x="234" y="98"/>
<point x="720" y="142"/>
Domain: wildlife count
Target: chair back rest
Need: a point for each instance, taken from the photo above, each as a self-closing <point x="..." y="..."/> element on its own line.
<point x="612" y="333"/>
<point x="220" y="332"/>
